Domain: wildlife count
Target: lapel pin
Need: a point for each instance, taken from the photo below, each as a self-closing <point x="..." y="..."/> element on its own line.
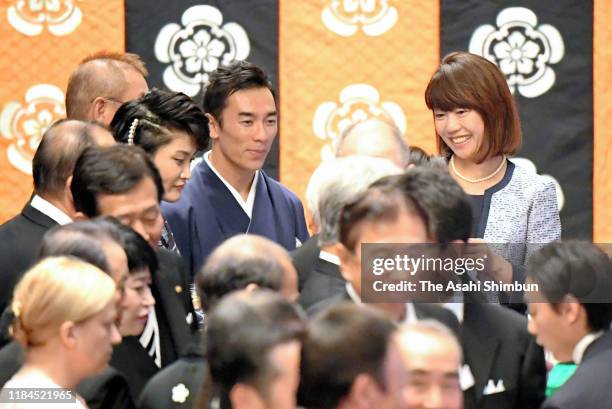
<point x="180" y="393"/>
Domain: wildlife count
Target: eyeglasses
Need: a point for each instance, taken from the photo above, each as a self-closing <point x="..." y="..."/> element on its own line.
<point x="117" y="101"/>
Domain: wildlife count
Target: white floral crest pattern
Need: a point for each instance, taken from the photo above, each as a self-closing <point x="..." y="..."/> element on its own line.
<point x="529" y="165"/>
<point x="24" y="125"/>
<point x="522" y="50"/>
<point x="29" y="17"/>
<point x="180" y="393"/>
<point x="198" y="47"/>
<point x="358" y="102"/>
<point x="345" y="17"/>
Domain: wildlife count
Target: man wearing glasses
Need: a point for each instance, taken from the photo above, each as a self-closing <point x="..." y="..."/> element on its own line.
<point x="101" y="83"/>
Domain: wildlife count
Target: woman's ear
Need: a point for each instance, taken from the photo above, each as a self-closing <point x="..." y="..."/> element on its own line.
<point x="68" y="334"/>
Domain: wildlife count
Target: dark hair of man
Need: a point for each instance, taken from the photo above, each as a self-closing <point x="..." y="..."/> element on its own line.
<point x="241" y="331"/>
<point x="222" y="275"/>
<point x="578" y="269"/>
<point x="448" y="215"/>
<point x="82" y="239"/>
<point x="59" y="148"/>
<point x="343" y="342"/>
<point x="140" y="254"/>
<point x="381" y="203"/>
<point x="227" y="80"/>
<point x="110" y="171"/>
<point x="466" y="80"/>
<point x="159" y="113"/>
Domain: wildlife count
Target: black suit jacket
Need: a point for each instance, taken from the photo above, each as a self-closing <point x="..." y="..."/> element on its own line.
<point x="589" y="387"/>
<point x="189" y="371"/>
<point x="304" y="258"/>
<point x="20" y="239"/>
<point x="109" y="390"/>
<point x="171" y="292"/>
<point x="498" y="347"/>
<point x="323" y="282"/>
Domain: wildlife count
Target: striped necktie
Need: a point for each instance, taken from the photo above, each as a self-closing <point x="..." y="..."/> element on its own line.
<point x="167" y="239"/>
<point x="150" y="338"/>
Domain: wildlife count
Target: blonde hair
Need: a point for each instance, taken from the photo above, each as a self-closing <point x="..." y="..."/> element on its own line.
<point x="56" y="290"/>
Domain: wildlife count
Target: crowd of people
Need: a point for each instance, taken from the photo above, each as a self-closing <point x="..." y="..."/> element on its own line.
<point x="137" y="277"/>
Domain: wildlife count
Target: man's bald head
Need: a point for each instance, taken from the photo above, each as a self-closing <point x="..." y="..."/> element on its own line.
<point x="374" y="137"/>
<point x="101" y="83"/>
<point x="61" y="145"/>
<point x="244" y="260"/>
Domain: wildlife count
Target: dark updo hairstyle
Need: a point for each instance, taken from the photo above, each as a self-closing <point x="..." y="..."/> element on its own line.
<point x="150" y="120"/>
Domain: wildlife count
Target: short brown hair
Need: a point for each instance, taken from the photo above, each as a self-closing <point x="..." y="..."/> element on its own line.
<point x="130" y="59"/>
<point x="466" y="80"/>
<point x="86" y="82"/>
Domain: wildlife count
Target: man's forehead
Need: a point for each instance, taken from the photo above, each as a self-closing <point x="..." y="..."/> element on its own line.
<point x="125" y="206"/>
<point x="251" y="100"/>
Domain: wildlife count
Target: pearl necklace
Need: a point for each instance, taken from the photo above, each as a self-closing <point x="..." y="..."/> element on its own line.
<point x="460" y="176"/>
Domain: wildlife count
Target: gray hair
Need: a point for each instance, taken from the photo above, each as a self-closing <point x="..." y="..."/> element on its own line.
<point x="338" y="182"/>
<point x="432" y="328"/>
<point x="395" y="131"/>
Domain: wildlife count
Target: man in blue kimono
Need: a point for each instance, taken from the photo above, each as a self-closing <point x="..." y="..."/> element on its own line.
<point x="229" y="194"/>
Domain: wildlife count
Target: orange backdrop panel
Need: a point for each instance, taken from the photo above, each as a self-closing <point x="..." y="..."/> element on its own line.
<point x="329" y="57"/>
<point x="40" y="48"/>
<point x="602" y="106"/>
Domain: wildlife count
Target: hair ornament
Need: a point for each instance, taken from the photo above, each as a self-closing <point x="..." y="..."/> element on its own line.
<point x="132" y="131"/>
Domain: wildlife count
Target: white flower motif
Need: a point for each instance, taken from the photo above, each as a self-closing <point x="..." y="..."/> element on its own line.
<point x="517" y="54"/>
<point x="201" y="53"/>
<point x="522" y="50"/>
<point x="25" y="125"/>
<point x="198" y="47"/>
<point x="29" y="17"/>
<point x="345" y="17"/>
<point x="180" y="393"/>
<point x="358" y="102"/>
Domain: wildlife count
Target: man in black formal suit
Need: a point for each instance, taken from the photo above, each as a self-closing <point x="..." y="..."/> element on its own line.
<point x="373" y="137"/>
<point x="504" y="367"/>
<point x="50" y="205"/>
<point x="121" y="181"/>
<point x="332" y="185"/>
<point x="241" y="262"/>
<point x="571" y="315"/>
<point x="101" y="83"/>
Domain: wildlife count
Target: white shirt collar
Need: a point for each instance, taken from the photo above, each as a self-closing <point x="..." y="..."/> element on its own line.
<point x="583" y="344"/>
<point x="410" y="316"/>
<point x="247" y="205"/>
<point x="352" y="293"/>
<point x="46" y="208"/>
<point x="456" y="308"/>
<point x="456" y="305"/>
<point x="329" y="257"/>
